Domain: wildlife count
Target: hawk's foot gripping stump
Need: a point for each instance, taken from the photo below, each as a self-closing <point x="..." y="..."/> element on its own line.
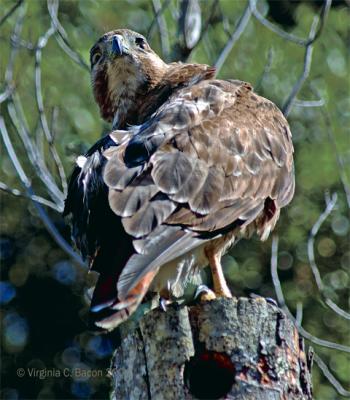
<point x="222" y="349"/>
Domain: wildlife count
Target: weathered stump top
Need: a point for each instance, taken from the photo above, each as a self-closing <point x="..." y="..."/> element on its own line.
<point x="222" y="349"/>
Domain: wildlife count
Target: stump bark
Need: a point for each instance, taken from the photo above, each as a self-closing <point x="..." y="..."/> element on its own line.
<point x="222" y="349"/>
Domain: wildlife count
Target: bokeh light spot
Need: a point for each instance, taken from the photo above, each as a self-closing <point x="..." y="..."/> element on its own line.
<point x="7" y="292"/>
<point x="64" y="272"/>
<point x="15" y="332"/>
<point x="81" y="390"/>
<point x="9" y="394"/>
<point x="81" y="372"/>
<point x="340" y="225"/>
<point x="345" y="260"/>
<point x="326" y="247"/>
<point x="337" y="280"/>
<point x="336" y="62"/>
<point x="100" y="346"/>
<point x="71" y="356"/>
<point x="6" y="248"/>
<point x="285" y="260"/>
<point x="18" y="275"/>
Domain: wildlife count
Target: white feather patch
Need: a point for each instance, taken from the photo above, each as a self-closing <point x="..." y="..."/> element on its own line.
<point x="80" y="161"/>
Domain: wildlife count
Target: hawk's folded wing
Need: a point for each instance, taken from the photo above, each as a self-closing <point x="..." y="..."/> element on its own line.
<point x="214" y="157"/>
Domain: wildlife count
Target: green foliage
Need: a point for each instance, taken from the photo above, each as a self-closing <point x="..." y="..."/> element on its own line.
<point x="30" y="259"/>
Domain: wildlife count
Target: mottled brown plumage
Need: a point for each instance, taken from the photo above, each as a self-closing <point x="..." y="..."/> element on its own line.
<point x="193" y="164"/>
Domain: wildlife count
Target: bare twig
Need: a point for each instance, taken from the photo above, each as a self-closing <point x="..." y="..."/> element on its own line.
<point x="288" y="36"/>
<point x="43" y="120"/>
<point x="311" y="255"/>
<point x="151" y="29"/>
<point x="16" y="117"/>
<point x="30" y="193"/>
<point x="19" y="42"/>
<point x="38" y="199"/>
<point x="340" y="162"/>
<point x="10" y="11"/>
<point x="282" y="303"/>
<point x="323" y="17"/>
<point x="39" y="139"/>
<point x="274" y="273"/>
<point x="315" y="32"/>
<point x="226" y="25"/>
<point x="36" y="159"/>
<point x="330" y="206"/>
<point x="331" y="378"/>
<point x="315" y="339"/>
<point x="53" y="121"/>
<point x="12" y="154"/>
<point x="241" y="25"/>
<point x="68" y="49"/>
<point x="6" y="94"/>
<point x="299" y="313"/>
<point x="306" y="70"/>
<point x="16" y="33"/>
<point x="18" y="120"/>
<point x="52" y="6"/>
<point x="62" y="37"/>
<point x="309" y="103"/>
<point x="32" y="152"/>
<point x="274" y="28"/>
<point x="162" y="28"/>
<point x="266" y="71"/>
<point x="208" y="21"/>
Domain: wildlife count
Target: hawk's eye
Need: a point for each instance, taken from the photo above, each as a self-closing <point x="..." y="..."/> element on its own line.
<point x="141" y="42"/>
<point x="96" y="57"/>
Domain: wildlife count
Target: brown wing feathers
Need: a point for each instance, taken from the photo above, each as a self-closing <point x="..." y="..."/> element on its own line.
<point x="201" y="169"/>
<point x="128" y="201"/>
<point x="211" y="160"/>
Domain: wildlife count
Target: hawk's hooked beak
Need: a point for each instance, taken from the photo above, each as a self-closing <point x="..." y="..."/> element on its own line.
<point x="118" y="47"/>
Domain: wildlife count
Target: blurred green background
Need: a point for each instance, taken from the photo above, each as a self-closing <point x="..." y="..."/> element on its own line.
<point x="43" y="291"/>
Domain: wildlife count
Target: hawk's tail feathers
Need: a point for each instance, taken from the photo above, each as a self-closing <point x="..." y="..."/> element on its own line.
<point x="125" y="307"/>
<point x="105" y="292"/>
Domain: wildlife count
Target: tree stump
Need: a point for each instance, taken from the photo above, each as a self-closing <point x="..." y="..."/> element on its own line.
<point x="222" y="349"/>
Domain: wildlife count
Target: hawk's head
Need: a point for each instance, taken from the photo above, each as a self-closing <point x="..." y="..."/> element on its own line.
<point x="123" y="66"/>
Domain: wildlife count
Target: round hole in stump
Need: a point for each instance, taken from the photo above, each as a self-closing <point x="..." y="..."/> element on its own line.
<point x="209" y="375"/>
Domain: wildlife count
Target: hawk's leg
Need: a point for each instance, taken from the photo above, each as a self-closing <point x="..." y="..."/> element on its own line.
<point x="220" y="286"/>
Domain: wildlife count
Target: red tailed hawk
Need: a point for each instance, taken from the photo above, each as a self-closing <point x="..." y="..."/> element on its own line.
<point x="193" y="163"/>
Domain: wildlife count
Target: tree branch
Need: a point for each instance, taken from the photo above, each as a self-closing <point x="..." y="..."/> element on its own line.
<point x="30" y="193"/>
<point x="162" y="28"/>
<point x="62" y="37"/>
<point x="158" y="13"/>
<point x="10" y="11"/>
<point x="288" y="36"/>
<point x="38" y="199"/>
<point x="311" y="255"/>
<point x="282" y="303"/>
<point x="340" y="162"/>
<point x="240" y="27"/>
<point x="34" y="156"/>
<point x="331" y="378"/>
<point x="39" y="98"/>
<point x="286" y="108"/>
